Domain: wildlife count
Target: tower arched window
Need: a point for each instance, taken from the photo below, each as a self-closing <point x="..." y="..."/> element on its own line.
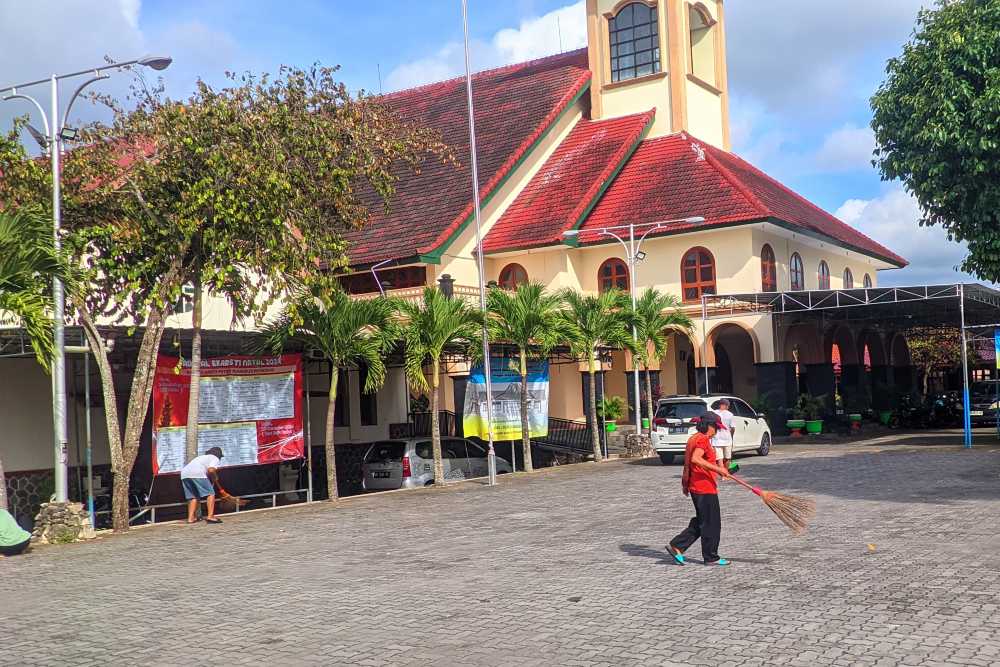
<point x="848" y="279"/>
<point x="613" y="274"/>
<point x="634" y="37"/>
<point x="702" y="35"/>
<point x="513" y="275"/>
<point x="697" y="274"/>
<point x="868" y="281"/>
<point x="797" y="272"/>
<point x="768" y="270"/>
<point x="824" y="275"/>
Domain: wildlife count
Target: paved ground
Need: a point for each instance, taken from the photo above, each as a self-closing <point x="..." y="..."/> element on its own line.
<point x="564" y="568"/>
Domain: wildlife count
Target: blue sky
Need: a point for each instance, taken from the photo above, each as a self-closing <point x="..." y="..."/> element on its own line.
<point x="801" y="72"/>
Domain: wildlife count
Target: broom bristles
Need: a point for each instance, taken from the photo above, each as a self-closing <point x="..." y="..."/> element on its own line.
<point x="793" y="511"/>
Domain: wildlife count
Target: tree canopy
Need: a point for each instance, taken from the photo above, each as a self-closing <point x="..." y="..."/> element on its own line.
<point x="937" y="125"/>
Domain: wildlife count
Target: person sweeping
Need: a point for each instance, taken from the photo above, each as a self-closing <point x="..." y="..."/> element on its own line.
<point x="698" y="482"/>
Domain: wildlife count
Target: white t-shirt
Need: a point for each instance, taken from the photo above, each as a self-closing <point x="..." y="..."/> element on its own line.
<point x="198" y="468"/>
<point x="724" y="437"/>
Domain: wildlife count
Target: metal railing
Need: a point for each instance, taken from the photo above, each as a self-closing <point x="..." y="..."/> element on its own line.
<point x="566" y="435"/>
<point x="415" y="294"/>
<point x="151" y="509"/>
<point x="421" y="424"/>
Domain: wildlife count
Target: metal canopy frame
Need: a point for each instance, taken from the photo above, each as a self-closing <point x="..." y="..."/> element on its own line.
<point x="965" y="306"/>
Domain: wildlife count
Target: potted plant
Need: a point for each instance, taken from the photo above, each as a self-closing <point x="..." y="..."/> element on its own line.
<point x="796" y="421"/>
<point x="809" y="410"/>
<point x="611" y="409"/>
<point x="856" y="405"/>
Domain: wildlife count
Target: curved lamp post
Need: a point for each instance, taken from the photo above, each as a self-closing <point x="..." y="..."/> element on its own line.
<point x="56" y="132"/>
<point x="633" y="256"/>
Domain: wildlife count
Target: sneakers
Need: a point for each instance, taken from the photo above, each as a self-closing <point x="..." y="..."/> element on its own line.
<point x="722" y="562"/>
<point x="734" y="467"/>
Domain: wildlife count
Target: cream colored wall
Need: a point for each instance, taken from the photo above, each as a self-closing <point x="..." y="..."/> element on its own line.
<point x="393" y="406"/>
<point x="705" y="117"/>
<point x="638" y="97"/>
<point x="458" y="260"/>
<point x="812" y="252"/>
<point x="565" y="391"/>
<point x="26" y="420"/>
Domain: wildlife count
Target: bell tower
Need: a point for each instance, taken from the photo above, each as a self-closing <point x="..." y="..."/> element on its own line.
<point x="668" y="54"/>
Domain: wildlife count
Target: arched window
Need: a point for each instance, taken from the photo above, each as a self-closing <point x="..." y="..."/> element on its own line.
<point x="697" y="274"/>
<point x="768" y="270"/>
<point x="613" y="274"/>
<point x="868" y="281"/>
<point x="798" y="274"/>
<point x="848" y="279"/>
<point x="702" y="35"/>
<point x="824" y="275"/>
<point x="512" y="276"/>
<point x="635" y="42"/>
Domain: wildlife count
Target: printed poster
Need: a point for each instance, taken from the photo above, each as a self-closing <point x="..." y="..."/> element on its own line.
<point x="506" y="385"/>
<point x="250" y="407"/>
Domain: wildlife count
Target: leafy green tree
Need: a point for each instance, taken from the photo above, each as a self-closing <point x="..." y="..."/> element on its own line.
<point x="349" y="333"/>
<point x="28" y="262"/>
<point x="244" y="191"/>
<point x="432" y="326"/>
<point x="936" y="120"/>
<point x="528" y="318"/>
<point x="934" y="349"/>
<point x="656" y="315"/>
<point x="593" y="323"/>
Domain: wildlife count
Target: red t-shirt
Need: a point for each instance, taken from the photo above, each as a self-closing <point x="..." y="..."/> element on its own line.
<point x="700" y="480"/>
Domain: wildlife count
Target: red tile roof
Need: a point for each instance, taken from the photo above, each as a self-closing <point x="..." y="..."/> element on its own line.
<point x="677" y="177"/>
<point x="569" y="183"/>
<point x="515" y="106"/>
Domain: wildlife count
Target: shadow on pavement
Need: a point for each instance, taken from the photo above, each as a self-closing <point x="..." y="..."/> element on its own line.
<point x="643" y="551"/>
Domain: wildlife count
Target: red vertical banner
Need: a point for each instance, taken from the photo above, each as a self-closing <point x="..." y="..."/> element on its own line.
<point x="250" y="407"/>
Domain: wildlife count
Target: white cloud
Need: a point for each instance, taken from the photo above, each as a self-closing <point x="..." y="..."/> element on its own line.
<point x="533" y="38"/>
<point x="847" y="149"/>
<point x="892" y="220"/>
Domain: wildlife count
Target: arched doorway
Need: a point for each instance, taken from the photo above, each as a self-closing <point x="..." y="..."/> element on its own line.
<point x="733" y="352"/>
<point x="677" y="368"/>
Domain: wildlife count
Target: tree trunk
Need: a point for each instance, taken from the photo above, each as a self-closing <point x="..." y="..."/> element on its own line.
<point x="926" y="379"/>
<point x="525" y="426"/>
<point x="331" y="452"/>
<point x="3" y="488"/>
<point x="436" y="425"/>
<point x="191" y="435"/>
<point x="649" y="399"/>
<point x="595" y="431"/>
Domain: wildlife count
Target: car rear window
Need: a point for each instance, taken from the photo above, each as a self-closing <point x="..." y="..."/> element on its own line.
<point x="680" y="410"/>
<point x="385" y="452"/>
<point x="425" y="450"/>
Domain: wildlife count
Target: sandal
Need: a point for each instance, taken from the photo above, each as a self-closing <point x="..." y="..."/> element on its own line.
<point x="722" y="562"/>
<point x="213" y="520"/>
<point x="678" y="556"/>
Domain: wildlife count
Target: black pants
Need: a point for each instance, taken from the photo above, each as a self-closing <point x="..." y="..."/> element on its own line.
<point x="706" y="524"/>
<point x="15" y="549"/>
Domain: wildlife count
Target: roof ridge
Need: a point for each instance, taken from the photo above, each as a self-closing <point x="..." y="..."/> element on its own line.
<point x="627" y="149"/>
<point x="807" y="201"/>
<point x="486" y="191"/>
<point x="485" y="72"/>
<point x="731" y="177"/>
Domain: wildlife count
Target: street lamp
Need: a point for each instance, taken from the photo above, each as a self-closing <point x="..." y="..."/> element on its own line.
<point x="633" y="256"/>
<point x="55" y="132"/>
<point x="474" y="164"/>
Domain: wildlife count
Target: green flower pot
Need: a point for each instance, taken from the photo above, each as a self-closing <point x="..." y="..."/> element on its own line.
<point x="884" y="416"/>
<point x="796" y="426"/>
<point x="610" y="426"/>
<point x="814" y="426"/>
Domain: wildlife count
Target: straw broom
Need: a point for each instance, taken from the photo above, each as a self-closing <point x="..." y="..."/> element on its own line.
<point x="793" y="511"/>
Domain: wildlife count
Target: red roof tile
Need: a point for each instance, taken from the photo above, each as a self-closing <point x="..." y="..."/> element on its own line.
<point x="515" y="105"/>
<point x="677" y="177"/>
<point x="568" y="184"/>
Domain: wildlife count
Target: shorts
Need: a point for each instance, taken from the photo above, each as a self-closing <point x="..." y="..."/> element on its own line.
<point x="724" y="452"/>
<point x="197" y="487"/>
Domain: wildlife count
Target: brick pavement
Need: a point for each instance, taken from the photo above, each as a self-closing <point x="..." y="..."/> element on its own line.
<point x="564" y="568"/>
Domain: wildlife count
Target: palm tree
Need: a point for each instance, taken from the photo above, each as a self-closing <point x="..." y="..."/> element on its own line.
<point x="594" y="322"/>
<point x="655" y="314"/>
<point x="348" y="333"/>
<point x="527" y="318"/>
<point x="28" y="261"/>
<point x="435" y="323"/>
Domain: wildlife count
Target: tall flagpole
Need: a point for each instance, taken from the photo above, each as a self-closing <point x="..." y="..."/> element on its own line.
<point x="479" y="248"/>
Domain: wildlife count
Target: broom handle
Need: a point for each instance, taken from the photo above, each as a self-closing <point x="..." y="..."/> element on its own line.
<point x="744" y="484"/>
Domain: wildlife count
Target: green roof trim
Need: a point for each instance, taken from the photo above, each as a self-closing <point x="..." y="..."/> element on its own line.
<point x="434" y="257"/>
